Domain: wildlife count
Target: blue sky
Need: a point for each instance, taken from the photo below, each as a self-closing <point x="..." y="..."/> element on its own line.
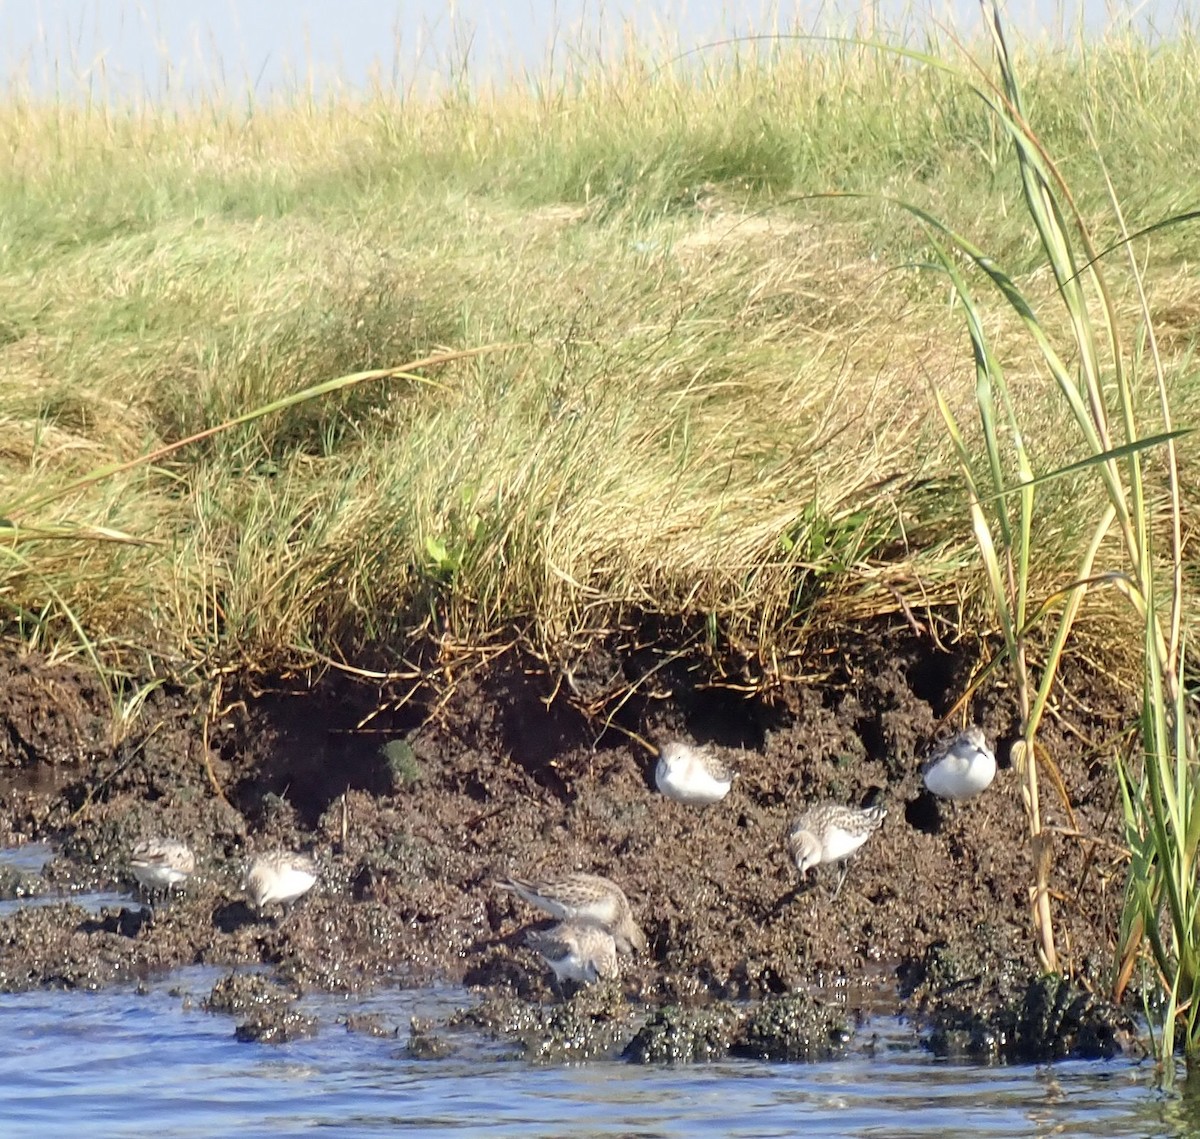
<point x="115" y="48"/>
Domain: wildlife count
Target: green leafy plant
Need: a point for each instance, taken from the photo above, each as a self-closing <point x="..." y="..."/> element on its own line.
<point x="1097" y="383"/>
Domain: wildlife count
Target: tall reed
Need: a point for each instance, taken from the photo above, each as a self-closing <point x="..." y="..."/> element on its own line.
<point x="1083" y="349"/>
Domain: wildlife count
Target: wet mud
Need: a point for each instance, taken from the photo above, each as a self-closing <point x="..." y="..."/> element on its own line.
<point x="414" y="801"/>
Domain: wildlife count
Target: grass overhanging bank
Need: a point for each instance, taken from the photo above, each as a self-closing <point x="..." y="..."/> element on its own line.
<point x="714" y="405"/>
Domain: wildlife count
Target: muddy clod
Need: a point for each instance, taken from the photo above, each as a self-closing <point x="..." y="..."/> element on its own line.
<point x="794" y="1027"/>
<point x="675" y="1035"/>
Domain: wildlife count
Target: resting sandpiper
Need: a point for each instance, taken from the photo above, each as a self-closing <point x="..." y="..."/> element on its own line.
<point x="279" y="877"/>
<point x="160" y="863"/>
<point x="830" y="832"/>
<point x="691" y="775"/>
<point x="960" y="767"/>
<point x="576" y="950"/>
<point x="583" y="897"/>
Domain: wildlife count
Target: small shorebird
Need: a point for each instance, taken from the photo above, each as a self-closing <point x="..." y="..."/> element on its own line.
<point x="829" y="832"/>
<point x="585" y="898"/>
<point x="278" y="877"/>
<point x="961" y="767"/>
<point x="691" y="775"/>
<point x="160" y="863"/>
<point x="576" y="951"/>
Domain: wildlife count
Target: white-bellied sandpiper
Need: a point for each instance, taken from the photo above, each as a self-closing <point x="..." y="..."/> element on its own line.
<point x="692" y="775"/>
<point x="961" y="767"/>
<point x="583" y="897"/>
<point x="831" y="832"/>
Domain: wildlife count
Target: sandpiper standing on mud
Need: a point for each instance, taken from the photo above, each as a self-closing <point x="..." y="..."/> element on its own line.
<point x="583" y="897"/>
<point x="830" y="832"/>
<point x="278" y="877"/>
<point x="692" y="775"/>
<point x="161" y="863"/>
<point x="961" y="767"/>
<point x="576" y="950"/>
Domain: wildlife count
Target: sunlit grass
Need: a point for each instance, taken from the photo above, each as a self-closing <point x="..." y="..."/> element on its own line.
<point x="713" y="400"/>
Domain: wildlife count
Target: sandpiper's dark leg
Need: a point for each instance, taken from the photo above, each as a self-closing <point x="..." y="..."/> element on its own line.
<point x="841" y="878"/>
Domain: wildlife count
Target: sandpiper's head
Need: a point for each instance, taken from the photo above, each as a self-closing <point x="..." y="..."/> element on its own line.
<point x="673" y="753"/>
<point x="629" y="936"/>
<point x="805" y="850"/>
<point x="975" y="737"/>
<point x="606" y="964"/>
<point x="598" y="948"/>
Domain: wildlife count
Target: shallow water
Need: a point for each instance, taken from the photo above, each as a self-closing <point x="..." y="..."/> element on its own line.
<point x="120" y="1062"/>
<point x="31" y="859"/>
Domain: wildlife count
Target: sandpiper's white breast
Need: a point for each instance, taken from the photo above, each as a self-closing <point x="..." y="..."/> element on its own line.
<point x="160" y="863"/>
<point x="281" y="878"/>
<point x="576" y="951"/>
<point x="962" y="767"/>
<point x="158" y="877"/>
<point x="691" y="775"/>
<point x="840" y="843"/>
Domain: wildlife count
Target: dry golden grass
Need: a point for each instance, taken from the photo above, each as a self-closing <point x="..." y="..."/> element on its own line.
<point x="714" y="400"/>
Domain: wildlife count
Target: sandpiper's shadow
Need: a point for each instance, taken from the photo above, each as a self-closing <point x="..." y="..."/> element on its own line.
<point x="792" y="895"/>
<point x="924" y="813"/>
<point x="126" y="922"/>
<point x="232" y="916"/>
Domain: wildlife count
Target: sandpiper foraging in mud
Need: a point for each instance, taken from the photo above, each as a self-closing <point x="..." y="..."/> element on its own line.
<point x="692" y="775"/>
<point x="961" y="767"/>
<point x="831" y="832"/>
<point x="161" y="863"/>
<point x="278" y="877"/>
<point x="585" y="898"/>
<point x="576" y="950"/>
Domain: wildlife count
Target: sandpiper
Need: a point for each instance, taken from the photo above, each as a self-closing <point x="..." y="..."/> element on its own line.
<point x="692" y="775"/>
<point x="583" y="897"/>
<point x="160" y="863"/>
<point x="830" y="832"/>
<point x="576" y="950"/>
<point x="278" y="877"/>
<point x="960" y="767"/>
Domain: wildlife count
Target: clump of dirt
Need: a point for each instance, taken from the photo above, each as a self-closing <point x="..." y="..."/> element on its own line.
<point x="268" y="1006"/>
<point x="240" y="993"/>
<point x="425" y="1044"/>
<point x="678" y="1035"/>
<point x="794" y="1027"/>
<point x="276" y="1025"/>
<point x="414" y="807"/>
<point x="1052" y="1019"/>
<point x="594" y="1024"/>
<point x="969" y="1008"/>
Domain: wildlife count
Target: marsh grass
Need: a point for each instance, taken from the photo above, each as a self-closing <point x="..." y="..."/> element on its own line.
<point x="712" y="405"/>
<point x="1134" y="513"/>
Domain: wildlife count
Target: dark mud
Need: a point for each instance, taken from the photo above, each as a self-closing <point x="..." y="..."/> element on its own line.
<point x="412" y="807"/>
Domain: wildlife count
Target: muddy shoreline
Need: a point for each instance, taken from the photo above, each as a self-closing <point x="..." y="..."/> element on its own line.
<point x="414" y="808"/>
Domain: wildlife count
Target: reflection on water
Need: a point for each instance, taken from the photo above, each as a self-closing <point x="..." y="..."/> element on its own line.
<point x="29" y="861"/>
<point x="119" y="1063"/>
<point x="92" y="902"/>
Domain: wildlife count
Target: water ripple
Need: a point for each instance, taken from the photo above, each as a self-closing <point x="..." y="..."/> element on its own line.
<point x="121" y="1063"/>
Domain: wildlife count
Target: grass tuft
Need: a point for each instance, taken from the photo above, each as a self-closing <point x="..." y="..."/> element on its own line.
<point x="713" y="401"/>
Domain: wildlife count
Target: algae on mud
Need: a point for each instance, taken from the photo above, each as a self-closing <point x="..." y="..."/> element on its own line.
<point x="510" y="785"/>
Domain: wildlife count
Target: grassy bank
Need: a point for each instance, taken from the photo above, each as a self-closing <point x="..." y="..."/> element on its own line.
<point x="708" y="395"/>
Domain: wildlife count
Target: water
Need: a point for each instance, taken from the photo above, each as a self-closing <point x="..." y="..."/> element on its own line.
<point x="124" y="1063"/>
<point x="127" y="1061"/>
<point x="30" y="859"/>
